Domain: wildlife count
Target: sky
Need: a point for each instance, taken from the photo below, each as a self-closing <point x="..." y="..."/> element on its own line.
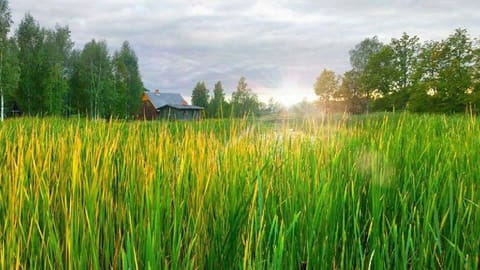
<point x="280" y="46"/>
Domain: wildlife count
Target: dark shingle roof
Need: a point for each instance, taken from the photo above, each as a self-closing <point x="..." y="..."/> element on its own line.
<point x="174" y="100"/>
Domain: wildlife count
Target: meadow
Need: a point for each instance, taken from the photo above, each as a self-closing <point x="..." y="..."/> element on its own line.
<point x="386" y="191"/>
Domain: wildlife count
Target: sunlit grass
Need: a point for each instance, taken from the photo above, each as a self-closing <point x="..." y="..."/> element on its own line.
<point x="384" y="191"/>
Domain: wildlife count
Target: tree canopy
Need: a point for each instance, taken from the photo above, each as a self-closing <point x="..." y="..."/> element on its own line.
<point x="41" y="73"/>
<point x="218" y="106"/>
<point x="244" y="101"/>
<point x="436" y="76"/>
<point x="200" y="95"/>
<point x="128" y="83"/>
<point x="326" y="85"/>
<point x="9" y="72"/>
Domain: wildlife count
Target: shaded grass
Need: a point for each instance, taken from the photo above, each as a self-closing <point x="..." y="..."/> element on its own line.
<point x="386" y="191"/>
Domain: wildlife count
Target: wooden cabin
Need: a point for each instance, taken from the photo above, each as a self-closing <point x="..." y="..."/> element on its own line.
<point x="171" y="106"/>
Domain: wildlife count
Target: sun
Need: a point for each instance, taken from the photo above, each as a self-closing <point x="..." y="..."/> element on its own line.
<point x="291" y="95"/>
<point x="289" y="92"/>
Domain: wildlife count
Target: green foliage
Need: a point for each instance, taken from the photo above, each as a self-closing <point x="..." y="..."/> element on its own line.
<point x="218" y="106"/>
<point x="354" y="85"/>
<point x="433" y="77"/>
<point x="405" y="52"/>
<point x="425" y="78"/>
<point x="360" y="55"/>
<point x="30" y="38"/>
<point x="9" y="70"/>
<point x="5" y="20"/>
<point x="445" y="75"/>
<point x="350" y="91"/>
<point x="73" y="76"/>
<point x="244" y="101"/>
<point x="379" y="74"/>
<point x="326" y="85"/>
<point x="54" y="87"/>
<point x="475" y="98"/>
<point x="200" y="95"/>
<point x="93" y="94"/>
<point x="54" y="84"/>
<point x="304" y="109"/>
<point x="455" y="74"/>
<point x="350" y="85"/>
<point x="128" y="84"/>
<point x="387" y="191"/>
<point x="43" y="56"/>
<point x="42" y="74"/>
<point x="272" y="107"/>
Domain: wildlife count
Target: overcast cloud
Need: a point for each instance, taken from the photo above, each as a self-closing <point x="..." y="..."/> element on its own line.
<point x="279" y="46"/>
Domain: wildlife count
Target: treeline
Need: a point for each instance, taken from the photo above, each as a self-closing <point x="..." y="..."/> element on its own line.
<point x="434" y="76"/>
<point x="243" y="102"/>
<point x="42" y="74"/>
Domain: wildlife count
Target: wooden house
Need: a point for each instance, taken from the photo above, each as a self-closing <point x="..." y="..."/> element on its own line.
<point x="171" y="106"/>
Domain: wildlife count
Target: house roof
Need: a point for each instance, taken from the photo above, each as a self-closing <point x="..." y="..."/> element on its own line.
<point x="174" y="100"/>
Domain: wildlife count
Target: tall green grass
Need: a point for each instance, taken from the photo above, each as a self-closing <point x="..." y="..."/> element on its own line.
<point x="380" y="192"/>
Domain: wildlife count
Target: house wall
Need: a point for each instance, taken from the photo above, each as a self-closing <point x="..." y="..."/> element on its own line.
<point x="165" y="113"/>
<point x="148" y="110"/>
<point x="177" y="114"/>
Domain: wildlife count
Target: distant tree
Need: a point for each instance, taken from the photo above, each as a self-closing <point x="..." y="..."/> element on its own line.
<point x="200" y="95"/>
<point x="350" y="92"/>
<point x="244" y="101"/>
<point x="9" y="69"/>
<point x="304" y="109"/>
<point x="41" y="72"/>
<point x="326" y="85"/>
<point x="43" y="56"/>
<point x="5" y="19"/>
<point x="389" y="73"/>
<point x="475" y="99"/>
<point x="127" y="81"/>
<point x="350" y="85"/>
<point x="54" y="86"/>
<point x="405" y="50"/>
<point x="93" y="91"/>
<point x="74" y="82"/>
<point x="424" y="78"/>
<point x="379" y="77"/>
<point x="359" y="58"/>
<point x="444" y="78"/>
<point x="30" y="38"/>
<point x="218" y="105"/>
<point x="405" y="53"/>
<point x="455" y="82"/>
<point x="360" y="55"/>
<point x="273" y="107"/>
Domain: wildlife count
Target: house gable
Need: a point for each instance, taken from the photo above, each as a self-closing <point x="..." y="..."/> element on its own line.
<point x="149" y="112"/>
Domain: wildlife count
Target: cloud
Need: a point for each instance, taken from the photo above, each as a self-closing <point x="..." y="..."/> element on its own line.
<point x="278" y="45"/>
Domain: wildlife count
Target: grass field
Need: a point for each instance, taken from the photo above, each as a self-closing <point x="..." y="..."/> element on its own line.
<point x="394" y="191"/>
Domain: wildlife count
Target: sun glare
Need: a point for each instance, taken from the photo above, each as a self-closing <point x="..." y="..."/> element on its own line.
<point x="291" y="95"/>
<point x="288" y="91"/>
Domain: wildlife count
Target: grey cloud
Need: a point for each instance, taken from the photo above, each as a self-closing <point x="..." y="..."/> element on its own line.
<point x="274" y="44"/>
